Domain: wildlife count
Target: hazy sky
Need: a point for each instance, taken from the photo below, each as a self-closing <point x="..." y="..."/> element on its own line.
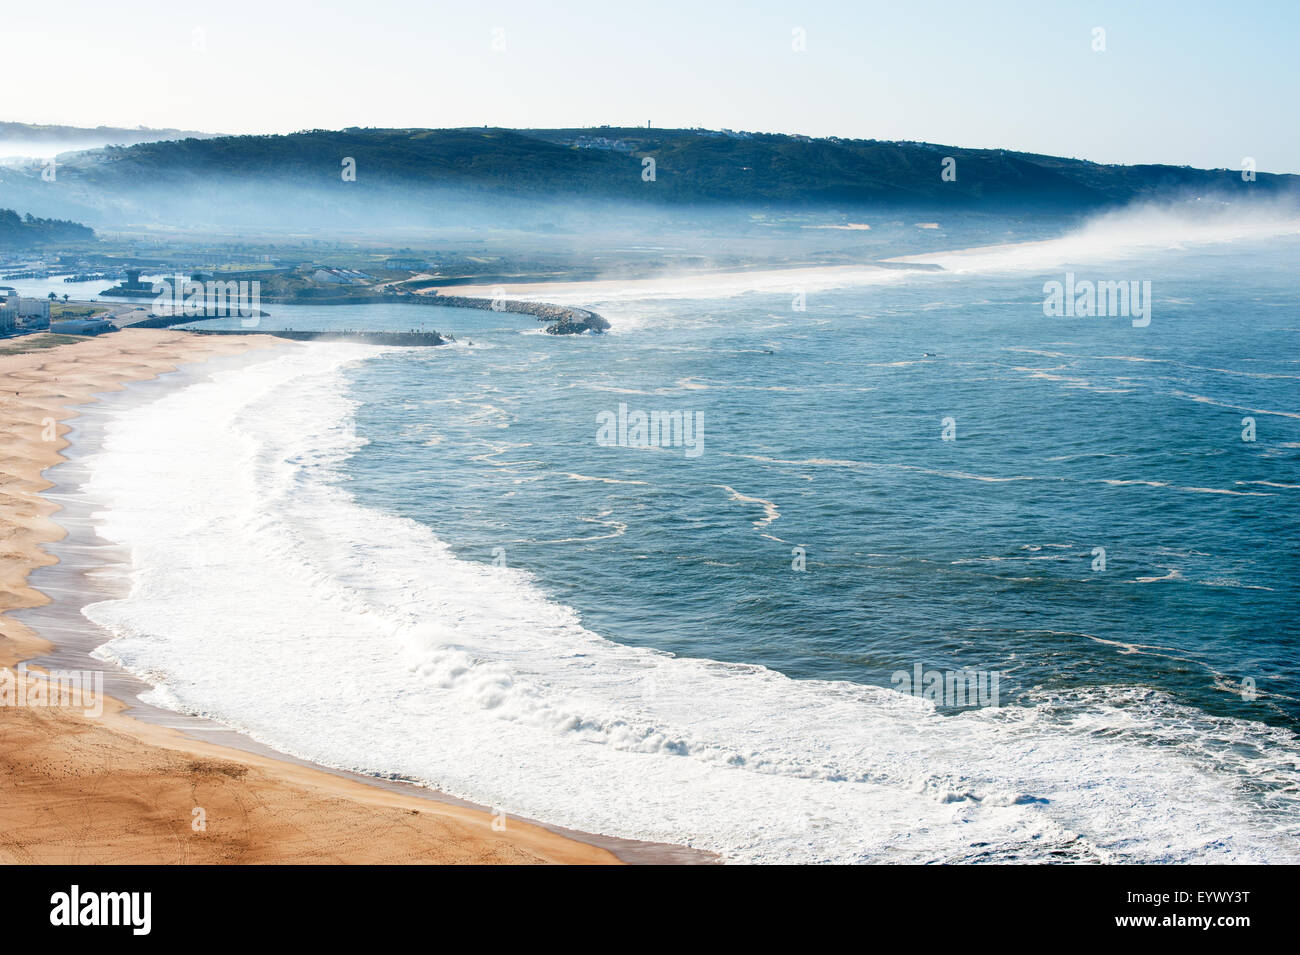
<point x="1199" y="83"/>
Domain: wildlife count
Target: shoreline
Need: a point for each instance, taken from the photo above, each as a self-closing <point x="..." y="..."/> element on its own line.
<point x="575" y="293"/>
<point x="703" y="283"/>
<point x="52" y="568"/>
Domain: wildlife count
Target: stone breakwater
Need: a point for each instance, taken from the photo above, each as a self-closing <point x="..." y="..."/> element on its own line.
<point x="565" y="320"/>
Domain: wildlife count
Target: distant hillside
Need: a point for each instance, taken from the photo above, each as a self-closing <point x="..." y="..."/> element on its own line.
<point x="574" y="180"/>
<point x="691" y="166"/>
<point x="27" y="139"/>
<point x="22" y="231"/>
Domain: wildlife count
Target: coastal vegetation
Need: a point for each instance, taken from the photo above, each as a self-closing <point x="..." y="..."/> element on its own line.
<point x="690" y="166"/>
<point x="22" y="231"/>
<point x="553" y="182"/>
<point x="29" y="343"/>
<point x="66" y="311"/>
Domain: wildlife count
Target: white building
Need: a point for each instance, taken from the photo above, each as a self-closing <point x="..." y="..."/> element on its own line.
<point x="341" y="277"/>
<point x="29" y="308"/>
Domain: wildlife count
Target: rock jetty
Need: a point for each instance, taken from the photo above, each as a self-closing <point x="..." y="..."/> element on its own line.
<point x="565" y="320"/>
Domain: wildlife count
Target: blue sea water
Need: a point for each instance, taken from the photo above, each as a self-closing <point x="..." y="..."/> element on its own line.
<point x="830" y="532"/>
<point x="822" y="430"/>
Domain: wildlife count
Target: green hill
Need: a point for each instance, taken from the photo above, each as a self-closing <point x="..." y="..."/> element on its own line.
<point x="691" y="166"/>
<point x="18" y="231"/>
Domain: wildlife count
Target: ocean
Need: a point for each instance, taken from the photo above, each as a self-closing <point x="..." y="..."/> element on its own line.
<point x="464" y="567"/>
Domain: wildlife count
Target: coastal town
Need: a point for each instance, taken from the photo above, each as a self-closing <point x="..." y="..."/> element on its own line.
<point x="185" y="288"/>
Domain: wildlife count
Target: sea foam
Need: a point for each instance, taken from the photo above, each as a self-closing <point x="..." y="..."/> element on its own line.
<point x="265" y="597"/>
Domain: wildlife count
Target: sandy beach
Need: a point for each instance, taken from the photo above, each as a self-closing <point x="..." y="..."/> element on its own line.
<point x="78" y="788"/>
